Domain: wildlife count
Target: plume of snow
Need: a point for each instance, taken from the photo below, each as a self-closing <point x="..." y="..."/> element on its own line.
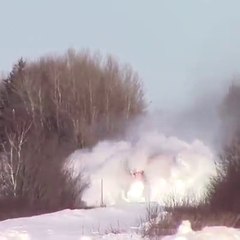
<point x="171" y="167"/>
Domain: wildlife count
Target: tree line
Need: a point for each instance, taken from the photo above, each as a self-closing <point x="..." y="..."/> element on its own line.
<point x="50" y="107"/>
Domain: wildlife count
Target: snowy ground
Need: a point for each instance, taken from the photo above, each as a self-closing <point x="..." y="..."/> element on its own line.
<point x="72" y="224"/>
<point x="100" y="223"/>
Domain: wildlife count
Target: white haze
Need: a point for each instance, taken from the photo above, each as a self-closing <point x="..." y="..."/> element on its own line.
<point x="176" y="150"/>
<point x="172" y="167"/>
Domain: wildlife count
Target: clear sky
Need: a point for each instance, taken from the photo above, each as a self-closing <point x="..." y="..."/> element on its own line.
<point x="179" y="47"/>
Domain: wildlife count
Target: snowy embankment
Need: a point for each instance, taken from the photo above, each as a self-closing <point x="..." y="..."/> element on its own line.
<point x="118" y="223"/>
<point x="185" y="232"/>
<point x="73" y="224"/>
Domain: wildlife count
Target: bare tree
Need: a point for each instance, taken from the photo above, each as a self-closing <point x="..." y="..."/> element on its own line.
<point x="12" y="159"/>
<point x="224" y="192"/>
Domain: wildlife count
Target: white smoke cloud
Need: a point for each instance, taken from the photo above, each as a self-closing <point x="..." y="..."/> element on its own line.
<point x="170" y="165"/>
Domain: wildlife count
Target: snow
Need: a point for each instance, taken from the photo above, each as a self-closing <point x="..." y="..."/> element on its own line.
<point x="100" y="224"/>
<point x="74" y="224"/>
<point x="171" y="167"/>
<point x="185" y="232"/>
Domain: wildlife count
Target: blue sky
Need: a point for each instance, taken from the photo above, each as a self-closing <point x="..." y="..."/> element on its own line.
<point x="180" y="48"/>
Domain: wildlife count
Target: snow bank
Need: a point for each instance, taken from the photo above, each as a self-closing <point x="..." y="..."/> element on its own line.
<point x="97" y="224"/>
<point x="208" y="233"/>
<point x="72" y="224"/>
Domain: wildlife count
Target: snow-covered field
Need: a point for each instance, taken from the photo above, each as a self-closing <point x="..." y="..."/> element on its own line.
<point x="119" y="223"/>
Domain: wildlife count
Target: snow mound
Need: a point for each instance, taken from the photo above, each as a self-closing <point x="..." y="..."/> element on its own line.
<point x="185" y="232"/>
